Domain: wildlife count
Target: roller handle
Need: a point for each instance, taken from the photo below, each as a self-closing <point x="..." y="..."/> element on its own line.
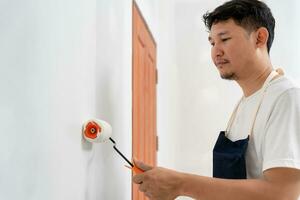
<point x="132" y="167"/>
<point x="135" y="169"/>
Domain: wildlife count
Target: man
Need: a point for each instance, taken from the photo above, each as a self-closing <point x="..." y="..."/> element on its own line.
<point x="258" y="156"/>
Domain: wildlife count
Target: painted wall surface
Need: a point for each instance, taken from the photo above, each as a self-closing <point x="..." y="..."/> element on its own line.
<point x="63" y="62"/>
<point x="286" y="46"/>
<point x="114" y="97"/>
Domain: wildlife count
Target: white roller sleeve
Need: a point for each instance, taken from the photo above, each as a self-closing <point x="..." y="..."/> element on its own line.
<point x="96" y="130"/>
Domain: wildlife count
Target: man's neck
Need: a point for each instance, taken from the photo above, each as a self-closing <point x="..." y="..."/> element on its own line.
<point x="254" y="82"/>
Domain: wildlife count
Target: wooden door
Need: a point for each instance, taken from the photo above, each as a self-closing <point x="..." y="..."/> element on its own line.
<point x="144" y="137"/>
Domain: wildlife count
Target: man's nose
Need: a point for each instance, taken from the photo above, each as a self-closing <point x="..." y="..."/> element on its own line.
<point x="217" y="51"/>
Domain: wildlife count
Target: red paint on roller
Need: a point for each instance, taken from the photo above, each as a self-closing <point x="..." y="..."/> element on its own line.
<point x="91" y="130"/>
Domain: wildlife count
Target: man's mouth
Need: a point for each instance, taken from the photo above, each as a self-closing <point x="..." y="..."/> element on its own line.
<point x="221" y="63"/>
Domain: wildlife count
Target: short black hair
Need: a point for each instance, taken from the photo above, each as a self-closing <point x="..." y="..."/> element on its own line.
<point x="249" y="14"/>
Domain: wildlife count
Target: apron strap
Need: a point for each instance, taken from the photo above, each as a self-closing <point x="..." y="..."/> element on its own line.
<point x="232" y="117"/>
<point x="273" y="75"/>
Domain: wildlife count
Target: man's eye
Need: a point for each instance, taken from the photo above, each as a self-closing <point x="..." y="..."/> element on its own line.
<point x="225" y="39"/>
<point x="212" y="44"/>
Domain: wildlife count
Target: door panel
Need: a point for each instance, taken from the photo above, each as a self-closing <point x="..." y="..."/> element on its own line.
<point x="144" y="95"/>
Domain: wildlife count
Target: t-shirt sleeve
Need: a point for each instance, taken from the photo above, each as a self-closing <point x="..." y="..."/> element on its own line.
<point x="281" y="146"/>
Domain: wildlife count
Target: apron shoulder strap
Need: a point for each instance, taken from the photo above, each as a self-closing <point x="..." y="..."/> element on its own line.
<point x="273" y="75"/>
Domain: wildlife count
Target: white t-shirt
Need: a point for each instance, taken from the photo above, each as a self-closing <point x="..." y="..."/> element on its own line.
<point x="275" y="141"/>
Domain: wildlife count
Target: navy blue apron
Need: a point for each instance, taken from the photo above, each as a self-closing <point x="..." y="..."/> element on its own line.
<point x="229" y="156"/>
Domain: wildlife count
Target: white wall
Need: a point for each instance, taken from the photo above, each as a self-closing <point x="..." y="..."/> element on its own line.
<point x="286" y="46"/>
<point x="168" y="116"/>
<point x="114" y="97"/>
<point x="159" y="16"/>
<point x="63" y="62"/>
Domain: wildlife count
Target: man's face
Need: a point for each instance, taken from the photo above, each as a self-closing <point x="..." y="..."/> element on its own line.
<point x="233" y="49"/>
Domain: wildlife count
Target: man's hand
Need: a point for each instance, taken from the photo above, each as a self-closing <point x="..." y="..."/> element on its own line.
<point x="157" y="183"/>
<point x="163" y="184"/>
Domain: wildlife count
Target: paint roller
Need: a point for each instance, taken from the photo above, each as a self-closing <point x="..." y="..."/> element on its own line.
<point x="96" y="130"/>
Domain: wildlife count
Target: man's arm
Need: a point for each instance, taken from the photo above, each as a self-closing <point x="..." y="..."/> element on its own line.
<point x="278" y="184"/>
<point x="160" y="183"/>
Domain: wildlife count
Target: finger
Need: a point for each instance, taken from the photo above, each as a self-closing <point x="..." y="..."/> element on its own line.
<point x="142" y="165"/>
<point x="148" y="194"/>
<point x="138" y="179"/>
<point x="142" y="188"/>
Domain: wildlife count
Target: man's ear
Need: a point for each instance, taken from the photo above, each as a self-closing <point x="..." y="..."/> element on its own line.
<point x="262" y="35"/>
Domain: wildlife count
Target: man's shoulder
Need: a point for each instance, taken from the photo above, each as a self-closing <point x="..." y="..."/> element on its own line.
<point x="283" y="89"/>
<point x="282" y="85"/>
